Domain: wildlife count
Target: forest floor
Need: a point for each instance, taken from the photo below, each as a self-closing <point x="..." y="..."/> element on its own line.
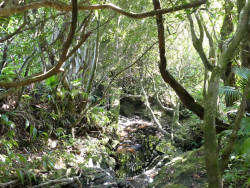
<point x="138" y="157"/>
<point x="168" y="167"/>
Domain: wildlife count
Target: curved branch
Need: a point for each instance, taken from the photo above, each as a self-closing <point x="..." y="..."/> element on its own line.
<point x="57" y="68"/>
<point x="64" y="7"/>
<point x="10" y="183"/>
<point x="83" y="113"/>
<point x="234" y="41"/>
<point x="158" y="124"/>
<point x="183" y="94"/>
<point x="7" y="93"/>
<point x="197" y="42"/>
<point x="14" y="33"/>
<point x="212" y="55"/>
<point x="226" y="152"/>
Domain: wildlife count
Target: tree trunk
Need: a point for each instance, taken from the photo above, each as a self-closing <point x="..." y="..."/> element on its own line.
<point x="184" y="96"/>
<point x="245" y="46"/>
<point x="210" y="144"/>
<point x="158" y="124"/>
<point x="231" y="140"/>
<point x="211" y="155"/>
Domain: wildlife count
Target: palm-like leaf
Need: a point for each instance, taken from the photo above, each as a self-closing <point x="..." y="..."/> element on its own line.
<point x="242" y="72"/>
<point x="243" y="75"/>
<point x="230" y="92"/>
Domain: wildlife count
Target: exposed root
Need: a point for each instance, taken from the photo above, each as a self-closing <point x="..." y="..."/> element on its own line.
<point x="60" y="181"/>
<point x="10" y="183"/>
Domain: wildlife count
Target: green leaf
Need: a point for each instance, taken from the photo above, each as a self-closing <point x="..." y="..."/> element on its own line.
<point x="50" y="164"/>
<point x="242" y="72"/>
<point x="29" y="176"/>
<point x="45" y="164"/>
<point x="46" y="136"/>
<point x="4" y="119"/>
<point x="248" y="181"/>
<point x="246" y="147"/>
<point x="15" y="143"/>
<point x="188" y="11"/>
<point x="34" y="133"/>
<point x="34" y="175"/>
<point x="11" y="124"/>
<point x="22" y="159"/>
<point x="31" y="129"/>
<point x="20" y="175"/>
<point x="52" y="81"/>
<point x="11" y="134"/>
<point x="230" y="92"/>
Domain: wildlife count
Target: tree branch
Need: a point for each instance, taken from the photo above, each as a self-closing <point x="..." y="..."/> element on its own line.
<point x="3" y="62"/>
<point x="184" y="96"/>
<point x="158" y="124"/>
<point x="10" y="183"/>
<point x="58" y="181"/>
<point x="57" y="68"/>
<point x="64" y="7"/>
<point x="233" y="42"/>
<point x="212" y="56"/>
<point x="14" y="33"/>
<point x="226" y="152"/>
<point x="197" y="42"/>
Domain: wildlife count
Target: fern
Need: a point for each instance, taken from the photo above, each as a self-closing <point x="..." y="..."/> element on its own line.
<point x="242" y="76"/>
<point x="230" y="92"/>
<point x="242" y="72"/>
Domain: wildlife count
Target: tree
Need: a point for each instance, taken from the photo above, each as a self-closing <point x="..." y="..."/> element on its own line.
<point x="51" y="53"/>
<point x="211" y="155"/>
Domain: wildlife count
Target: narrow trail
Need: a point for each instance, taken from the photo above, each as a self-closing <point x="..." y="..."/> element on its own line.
<point x="137" y="144"/>
<point x="129" y="127"/>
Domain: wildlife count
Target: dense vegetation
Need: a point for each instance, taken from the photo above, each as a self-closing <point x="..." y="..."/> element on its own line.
<point x="108" y="93"/>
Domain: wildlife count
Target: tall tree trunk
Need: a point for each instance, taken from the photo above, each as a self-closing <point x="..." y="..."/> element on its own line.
<point x="184" y="96"/>
<point x="231" y="140"/>
<point x="93" y="69"/>
<point x="210" y="144"/>
<point x="211" y="155"/>
<point x="226" y="29"/>
<point x="245" y="46"/>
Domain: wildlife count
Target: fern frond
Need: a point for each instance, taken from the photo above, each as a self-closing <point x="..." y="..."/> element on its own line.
<point x="230" y="92"/>
<point x="242" y="72"/>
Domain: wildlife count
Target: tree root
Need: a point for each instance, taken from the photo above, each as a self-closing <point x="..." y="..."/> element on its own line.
<point x="59" y="181"/>
<point x="10" y="183"/>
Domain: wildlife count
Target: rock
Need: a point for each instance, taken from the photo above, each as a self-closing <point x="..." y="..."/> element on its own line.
<point x="133" y="105"/>
<point x="121" y="182"/>
<point x="70" y="185"/>
<point x="183" y="171"/>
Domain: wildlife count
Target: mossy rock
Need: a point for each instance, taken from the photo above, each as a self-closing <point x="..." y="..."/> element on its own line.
<point x="187" y="170"/>
<point x="176" y="186"/>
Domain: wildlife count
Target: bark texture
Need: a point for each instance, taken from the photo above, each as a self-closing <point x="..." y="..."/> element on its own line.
<point x="184" y="96"/>
<point x="232" y="138"/>
<point x="229" y="47"/>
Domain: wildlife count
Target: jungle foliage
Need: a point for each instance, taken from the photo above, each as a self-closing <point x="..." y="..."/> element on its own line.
<point x="68" y="69"/>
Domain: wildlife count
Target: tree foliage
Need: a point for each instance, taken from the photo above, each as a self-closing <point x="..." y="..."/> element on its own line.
<point x="81" y="56"/>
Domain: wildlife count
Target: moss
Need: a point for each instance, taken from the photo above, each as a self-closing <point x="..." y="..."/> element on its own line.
<point x="185" y="170"/>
